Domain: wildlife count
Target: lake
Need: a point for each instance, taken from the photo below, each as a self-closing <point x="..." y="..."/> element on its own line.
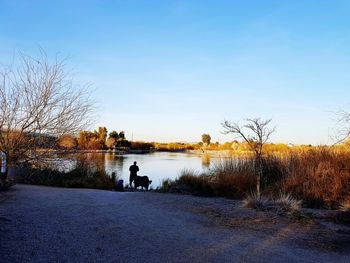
<point x="157" y="166"/>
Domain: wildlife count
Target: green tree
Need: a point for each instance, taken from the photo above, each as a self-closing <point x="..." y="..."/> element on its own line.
<point x="114" y="135"/>
<point x="206" y="139"/>
<point x="122" y="135"/>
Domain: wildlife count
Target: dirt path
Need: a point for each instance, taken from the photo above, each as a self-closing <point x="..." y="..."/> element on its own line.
<point x="45" y="224"/>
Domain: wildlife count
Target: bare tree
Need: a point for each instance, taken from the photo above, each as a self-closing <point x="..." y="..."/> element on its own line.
<point x="38" y="104"/>
<point x="255" y="132"/>
<point x="342" y="132"/>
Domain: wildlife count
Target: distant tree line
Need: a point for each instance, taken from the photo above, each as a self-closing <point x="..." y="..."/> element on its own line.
<point x="94" y="140"/>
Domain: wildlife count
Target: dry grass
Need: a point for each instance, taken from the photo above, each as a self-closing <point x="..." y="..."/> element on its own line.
<point x="234" y="177"/>
<point x="255" y="201"/>
<point x="345" y="206"/>
<point x="229" y="178"/>
<point x="192" y="182"/>
<point x="320" y="177"/>
<point x="287" y="203"/>
<point x="283" y="204"/>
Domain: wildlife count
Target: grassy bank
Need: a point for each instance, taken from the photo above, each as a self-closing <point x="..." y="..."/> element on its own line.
<point x="319" y="177"/>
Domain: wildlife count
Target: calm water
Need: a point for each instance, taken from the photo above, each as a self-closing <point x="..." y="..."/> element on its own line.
<point x="157" y="166"/>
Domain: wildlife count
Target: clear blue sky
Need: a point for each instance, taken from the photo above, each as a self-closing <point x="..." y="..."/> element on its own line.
<point x="172" y="70"/>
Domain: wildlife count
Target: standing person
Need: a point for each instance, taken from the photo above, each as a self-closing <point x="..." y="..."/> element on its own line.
<point x="133" y="173"/>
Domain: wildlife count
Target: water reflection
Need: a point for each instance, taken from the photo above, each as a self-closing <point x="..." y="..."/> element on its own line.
<point x="206" y="160"/>
<point x="114" y="161"/>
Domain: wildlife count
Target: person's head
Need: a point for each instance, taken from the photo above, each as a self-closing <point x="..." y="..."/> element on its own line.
<point x="135" y="163"/>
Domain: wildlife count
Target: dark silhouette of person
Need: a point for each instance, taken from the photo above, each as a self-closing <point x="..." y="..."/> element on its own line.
<point x="133" y="173"/>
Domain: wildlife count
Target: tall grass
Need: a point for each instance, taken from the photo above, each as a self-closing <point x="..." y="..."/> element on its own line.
<point x="234" y="177"/>
<point x="192" y="182"/>
<point x="229" y="177"/>
<point x="320" y="177"/>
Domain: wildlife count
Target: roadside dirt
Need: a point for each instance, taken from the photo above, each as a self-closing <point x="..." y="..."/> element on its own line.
<point x="46" y="224"/>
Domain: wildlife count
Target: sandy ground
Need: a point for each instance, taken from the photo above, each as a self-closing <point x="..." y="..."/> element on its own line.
<point x="46" y="224"/>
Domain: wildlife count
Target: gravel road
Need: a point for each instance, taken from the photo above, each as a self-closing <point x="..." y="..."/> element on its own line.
<point x="46" y="224"/>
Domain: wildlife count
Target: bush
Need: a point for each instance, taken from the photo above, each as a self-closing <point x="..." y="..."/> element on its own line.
<point x="141" y="145"/>
<point x="82" y="176"/>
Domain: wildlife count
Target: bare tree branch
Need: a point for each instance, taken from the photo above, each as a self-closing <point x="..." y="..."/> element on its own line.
<point x="343" y="126"/>
<point x="255" y="132"/>
<point x="38" y="104"/>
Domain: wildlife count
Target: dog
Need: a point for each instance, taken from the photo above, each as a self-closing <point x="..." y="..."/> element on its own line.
<point x="142" y="181"/>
